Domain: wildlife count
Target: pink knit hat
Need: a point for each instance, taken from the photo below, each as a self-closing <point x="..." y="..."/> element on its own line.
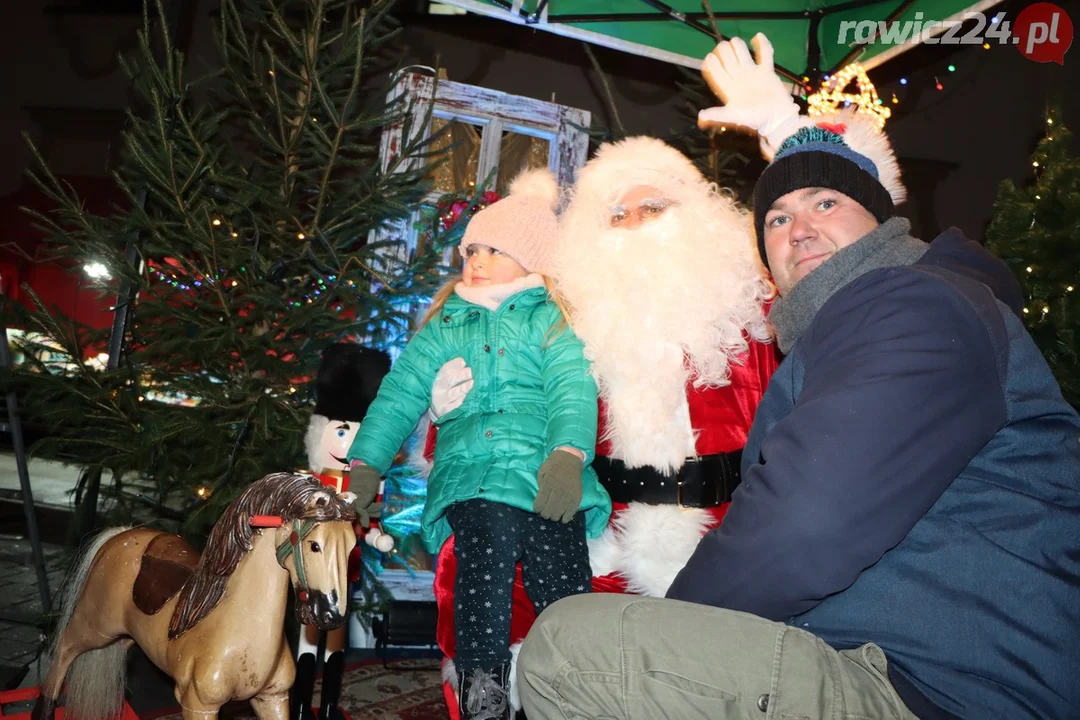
<point x="522" y="225"/>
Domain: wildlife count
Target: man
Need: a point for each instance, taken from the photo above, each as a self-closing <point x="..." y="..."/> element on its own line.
<point x="904" y="541"/>
<point x="667" y="294"/>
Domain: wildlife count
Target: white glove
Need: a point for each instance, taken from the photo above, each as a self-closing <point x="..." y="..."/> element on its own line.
<point x="754" y="97"/>
<point x="452" y="383"/>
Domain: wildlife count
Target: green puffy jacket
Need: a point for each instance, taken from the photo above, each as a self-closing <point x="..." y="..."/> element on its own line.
<point x="533" y="392"/>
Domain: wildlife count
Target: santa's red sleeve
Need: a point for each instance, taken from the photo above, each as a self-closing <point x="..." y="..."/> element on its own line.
<point x="429" y="442"/>
<point x="722" y="416"/>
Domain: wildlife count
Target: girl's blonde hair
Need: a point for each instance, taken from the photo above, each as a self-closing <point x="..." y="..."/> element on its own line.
<point x="443" y="294"/>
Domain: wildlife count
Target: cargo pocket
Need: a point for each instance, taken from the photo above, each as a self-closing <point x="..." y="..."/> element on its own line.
<point x="663" y="676"/>
<point x="872" y="658"/>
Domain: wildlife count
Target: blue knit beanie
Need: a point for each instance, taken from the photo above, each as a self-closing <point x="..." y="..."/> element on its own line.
<point x="819" y="156"/>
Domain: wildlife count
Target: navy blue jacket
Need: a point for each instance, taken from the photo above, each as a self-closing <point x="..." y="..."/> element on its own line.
<point x="912" y="478"/>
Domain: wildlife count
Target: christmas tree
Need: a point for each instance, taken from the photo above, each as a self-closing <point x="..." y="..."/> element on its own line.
<point x="1036" y="230"/>
<point x="259" y="226"/>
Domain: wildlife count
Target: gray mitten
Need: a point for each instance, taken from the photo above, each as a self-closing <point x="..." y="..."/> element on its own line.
<point x="364" y="483"/>
<point x="365" y="515"/>
<point x="559" y="482"/>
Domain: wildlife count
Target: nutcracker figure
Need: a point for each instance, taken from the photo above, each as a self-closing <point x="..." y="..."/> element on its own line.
<point x="347" y="381"/>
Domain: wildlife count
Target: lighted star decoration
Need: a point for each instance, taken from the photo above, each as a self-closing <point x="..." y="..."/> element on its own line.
<point x="833" y="95"/>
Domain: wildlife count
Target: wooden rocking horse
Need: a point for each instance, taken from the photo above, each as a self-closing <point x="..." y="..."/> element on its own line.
<point x="215" y="624"/>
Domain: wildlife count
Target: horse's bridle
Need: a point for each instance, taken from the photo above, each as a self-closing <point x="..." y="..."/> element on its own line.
<point x="292" y="546"/>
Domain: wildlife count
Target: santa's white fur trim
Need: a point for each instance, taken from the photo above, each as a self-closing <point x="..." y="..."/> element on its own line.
<point x="417" y="462"/>
<point x="605" y="553"/>
<point x="313" y="440"/>
<point x="515" y="696"/>
<point x="536" y="182"/>
<point x="621" y="165"/>
<point x="449" y="675"/>
<point x="655" y="542"/>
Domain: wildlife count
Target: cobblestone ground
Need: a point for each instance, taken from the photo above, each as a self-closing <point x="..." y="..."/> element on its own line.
<point x="20" y="601"/>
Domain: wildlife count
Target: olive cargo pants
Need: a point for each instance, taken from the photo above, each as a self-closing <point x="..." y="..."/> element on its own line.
<point x="606" y="656"/>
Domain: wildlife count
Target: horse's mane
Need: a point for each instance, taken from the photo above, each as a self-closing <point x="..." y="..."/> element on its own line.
<point x="284" y="494"/>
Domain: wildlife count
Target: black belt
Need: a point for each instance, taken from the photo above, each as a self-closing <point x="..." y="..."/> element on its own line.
<point x="706" y="481"/>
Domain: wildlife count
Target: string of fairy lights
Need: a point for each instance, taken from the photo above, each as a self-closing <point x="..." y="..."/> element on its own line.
<point x="178" y="282"/>
<point x="851" y="86"/>
<point x="836" y="91"/>
<point x="166" y="272"/>
<point x="448" y="214"/>
<point x="1049" y="137"/>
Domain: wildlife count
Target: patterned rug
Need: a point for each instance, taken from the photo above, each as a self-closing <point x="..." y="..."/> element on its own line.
<point x="403" y="690"/>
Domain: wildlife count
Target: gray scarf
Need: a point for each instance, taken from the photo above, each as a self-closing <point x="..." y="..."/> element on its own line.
<point x="887" y="245"/>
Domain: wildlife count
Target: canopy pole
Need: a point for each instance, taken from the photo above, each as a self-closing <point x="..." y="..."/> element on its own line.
<point x="813" y="49"/>
<point x="683" y="18"/>
<point x="718" y="36"/>
<point x="14" y="426"/>
<point x="537" y="13"/>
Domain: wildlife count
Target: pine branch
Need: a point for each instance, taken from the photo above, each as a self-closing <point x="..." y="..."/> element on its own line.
<point x="221" y="175"/>
<point x="1034" y="231"/>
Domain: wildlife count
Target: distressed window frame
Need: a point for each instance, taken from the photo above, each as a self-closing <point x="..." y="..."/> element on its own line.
<point x="493" y="110"/>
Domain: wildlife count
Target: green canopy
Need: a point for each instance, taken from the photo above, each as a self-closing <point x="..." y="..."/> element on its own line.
<point x="804" y="33"/>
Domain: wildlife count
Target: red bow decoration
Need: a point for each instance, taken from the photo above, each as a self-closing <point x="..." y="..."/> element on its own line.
<point x="266" y="521"/>
<point x="448" y="215"/>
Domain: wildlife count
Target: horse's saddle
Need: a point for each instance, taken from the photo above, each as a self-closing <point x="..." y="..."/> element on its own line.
<point x="166" y="565"/>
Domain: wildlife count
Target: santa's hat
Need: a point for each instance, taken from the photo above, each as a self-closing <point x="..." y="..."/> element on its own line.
<point x="348" y="381"/>
<point x="634" y="161"/>
<point x="842" y="151"/>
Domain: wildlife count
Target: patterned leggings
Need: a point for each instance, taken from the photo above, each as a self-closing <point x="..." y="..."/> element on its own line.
<point x="489" y="539"/>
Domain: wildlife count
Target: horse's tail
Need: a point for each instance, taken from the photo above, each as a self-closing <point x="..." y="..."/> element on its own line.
<point x="95" y="680"/>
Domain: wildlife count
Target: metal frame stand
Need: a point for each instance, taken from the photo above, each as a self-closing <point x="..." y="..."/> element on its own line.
<point x="14" y="426"/>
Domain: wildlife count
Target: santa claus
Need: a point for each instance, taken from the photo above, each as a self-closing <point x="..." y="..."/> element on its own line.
<point x="669" y="297"/>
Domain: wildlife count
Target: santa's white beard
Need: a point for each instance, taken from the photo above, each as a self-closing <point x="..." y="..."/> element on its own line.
<point x="657" y="306"/>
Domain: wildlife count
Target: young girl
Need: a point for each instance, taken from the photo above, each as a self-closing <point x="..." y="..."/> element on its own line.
<point x="511" y="477"/>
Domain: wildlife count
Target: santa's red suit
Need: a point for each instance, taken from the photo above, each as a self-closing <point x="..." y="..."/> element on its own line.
<point x="650" y="540"/>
